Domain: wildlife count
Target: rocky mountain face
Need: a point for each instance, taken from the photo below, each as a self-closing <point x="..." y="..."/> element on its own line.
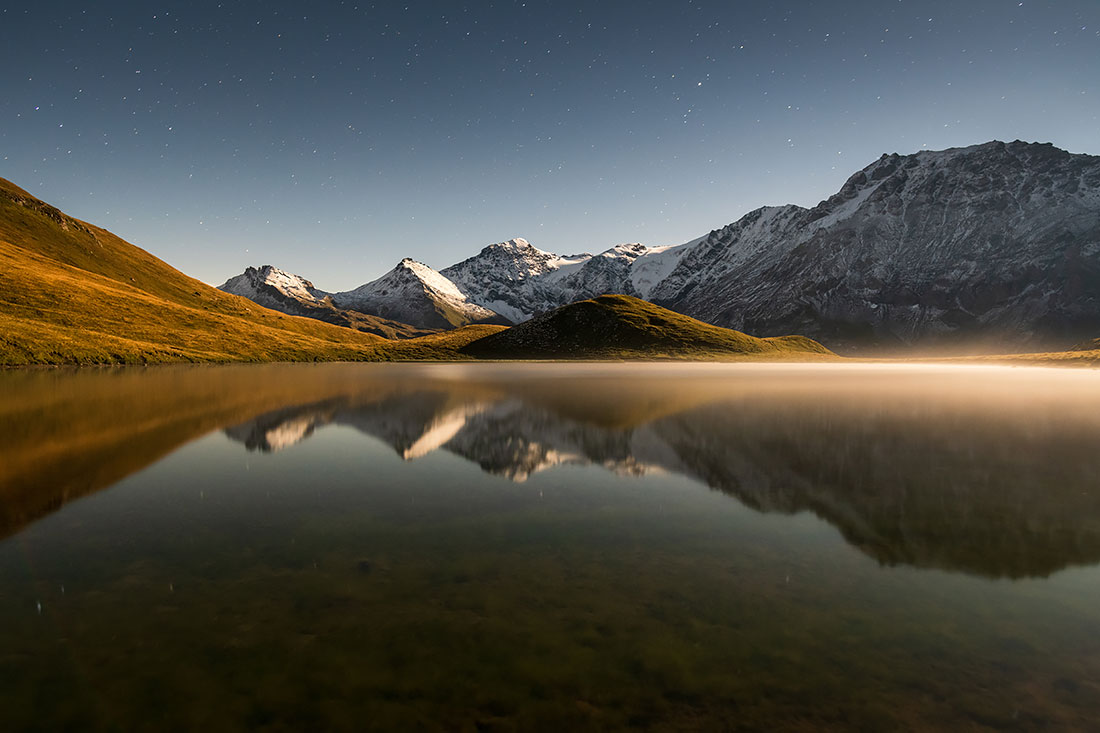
<point x="996" y="243"/>
<point x="992" y="246"/>
<point x="996" y="246"/>
<point x="514" y="278"/>
<point x="521" y="281"/>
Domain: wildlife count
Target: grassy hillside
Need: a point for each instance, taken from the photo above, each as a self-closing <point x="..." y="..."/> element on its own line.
<point x="619" y="326"/>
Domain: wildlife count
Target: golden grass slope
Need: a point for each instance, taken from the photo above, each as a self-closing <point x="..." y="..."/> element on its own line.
<point x="1083" y="358"/>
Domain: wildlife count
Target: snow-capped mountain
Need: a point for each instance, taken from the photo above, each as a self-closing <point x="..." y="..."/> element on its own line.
<point x="520" y="281"/>
<point x="416" y="294"/>
<point x="508" y="282"/>
<point x="997" y="245"/>
<point x="514" y="278"/>
<point x="293" y="294"/>
<point x="273" y="288"/>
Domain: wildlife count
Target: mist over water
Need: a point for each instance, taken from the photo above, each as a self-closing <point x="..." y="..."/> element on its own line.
<point x="548" y="545"/>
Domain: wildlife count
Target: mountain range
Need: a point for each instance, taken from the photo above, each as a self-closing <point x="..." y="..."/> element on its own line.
<point x="272" y="288"/>
<point x="994" y="245"/>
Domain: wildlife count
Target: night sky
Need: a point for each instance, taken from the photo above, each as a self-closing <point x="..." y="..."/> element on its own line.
<point x="332" y="139"/>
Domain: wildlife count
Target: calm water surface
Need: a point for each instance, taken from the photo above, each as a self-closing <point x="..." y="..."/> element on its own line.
<point x="558" y="547"/>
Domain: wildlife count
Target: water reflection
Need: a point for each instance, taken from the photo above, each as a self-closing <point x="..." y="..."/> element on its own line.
<point x="904" y="481"/>
<point x="987" y="472"/>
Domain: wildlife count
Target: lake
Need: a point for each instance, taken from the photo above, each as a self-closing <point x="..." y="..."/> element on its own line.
<point x="550" y="547"/>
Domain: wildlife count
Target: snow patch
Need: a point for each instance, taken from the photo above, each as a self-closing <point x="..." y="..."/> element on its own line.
<point x="657" y="264"/>
<point x="846" y="209"/>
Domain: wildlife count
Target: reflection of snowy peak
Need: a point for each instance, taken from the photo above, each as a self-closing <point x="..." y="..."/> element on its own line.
<point x="506" y="438"/>
<point x="416" y="294"/>
<point x="279" y="430"/>
<point x="414" y="425"/>
<point x="399" y="421"/>
<point x="903" y="478"/>
<point x="515" y="441"/>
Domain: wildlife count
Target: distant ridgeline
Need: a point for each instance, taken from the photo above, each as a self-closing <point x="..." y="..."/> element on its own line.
<point x="994" y="247"/>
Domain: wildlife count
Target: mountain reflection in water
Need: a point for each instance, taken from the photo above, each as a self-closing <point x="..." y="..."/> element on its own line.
<point x="982" y="470"/>
<point x="989" y="489"/>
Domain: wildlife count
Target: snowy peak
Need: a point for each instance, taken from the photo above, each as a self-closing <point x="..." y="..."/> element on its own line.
<point x="407" y="274"/>
<point x="267" y="283"/>
<point x="513" y="261"/>
<point x="520" y="281"/>
<point x="655" y="264"/>
<point x="630" y="251"/>
<point x="414" y="293"/>
<point x="510" y="278"/>
<point x="294" y="295"/>
<point x="409" y="270"/>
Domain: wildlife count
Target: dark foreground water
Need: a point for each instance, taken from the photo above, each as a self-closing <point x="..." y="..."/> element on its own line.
<point x="557" y="547"/>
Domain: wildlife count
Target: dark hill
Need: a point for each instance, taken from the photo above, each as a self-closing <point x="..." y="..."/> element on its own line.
<point x="621" y="326"/>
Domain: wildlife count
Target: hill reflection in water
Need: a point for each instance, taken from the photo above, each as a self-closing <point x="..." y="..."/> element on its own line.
<point x="987" y="471"/>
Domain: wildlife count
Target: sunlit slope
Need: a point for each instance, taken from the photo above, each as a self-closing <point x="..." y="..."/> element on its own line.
<point x="620" y="326"/>
<point x="1074" y="358"/>
<point x="72" y="293"/>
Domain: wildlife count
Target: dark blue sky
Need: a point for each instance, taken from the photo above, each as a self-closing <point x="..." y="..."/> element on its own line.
<point x="332" y="139"/>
